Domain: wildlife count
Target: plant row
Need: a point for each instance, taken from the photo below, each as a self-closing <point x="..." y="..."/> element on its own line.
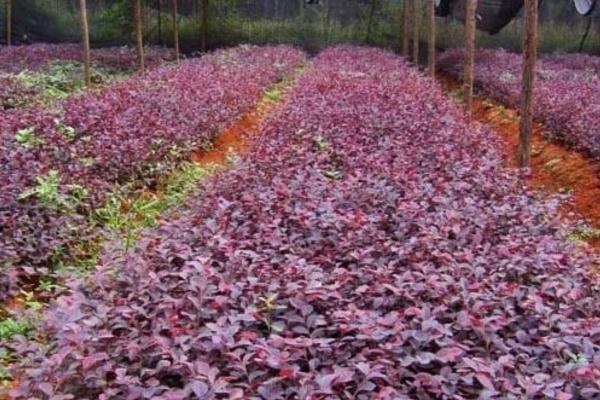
<point x="371" y="247"/>
<point x="567" y="91"/>
<point x="58" y="167"/>
<point x="42" y="72"/>
<point x="36" y="57"/>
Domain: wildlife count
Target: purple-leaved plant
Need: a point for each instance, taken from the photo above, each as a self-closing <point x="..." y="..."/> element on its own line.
<point x="567" y="91"/>
<point x="371" y="247"/>
<point x="128" y="133"/>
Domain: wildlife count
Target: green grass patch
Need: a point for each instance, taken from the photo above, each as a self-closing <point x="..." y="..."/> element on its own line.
<point x="124" y="215"/>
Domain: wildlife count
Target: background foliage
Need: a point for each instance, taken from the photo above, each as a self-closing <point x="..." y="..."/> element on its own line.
<point x="374" y="22"/>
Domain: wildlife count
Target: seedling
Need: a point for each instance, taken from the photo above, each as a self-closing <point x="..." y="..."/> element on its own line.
<point x="46" y="191"/>
<point x="269" y="307"/>
<point x="273" y="95"/>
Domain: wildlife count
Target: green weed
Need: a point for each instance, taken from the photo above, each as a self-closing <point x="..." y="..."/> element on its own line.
<point x="28" y="138"/>
<point x="273" y="94"/>
<point x="126" y="215"/>
<point x="47" y="192"/>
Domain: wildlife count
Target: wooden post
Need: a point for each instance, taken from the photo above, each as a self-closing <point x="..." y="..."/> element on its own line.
<point x="204" y="26"/>
<point x="529" y="61"/>
<point x="8" y="22"/>
<point x="431" y="37"/>
<point x="470" y="25"/>
<point x="175" y="30"/>
<point x="139" y="32"/>
<point x="416" y="29"/>
<point x="85" y="38"/>
<point x="406" y="28"/>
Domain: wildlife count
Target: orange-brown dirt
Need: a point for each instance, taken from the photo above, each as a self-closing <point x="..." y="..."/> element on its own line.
<point x="237" y="138"/>
<point x="234" y="139"/>
<point x="555" y="167"/>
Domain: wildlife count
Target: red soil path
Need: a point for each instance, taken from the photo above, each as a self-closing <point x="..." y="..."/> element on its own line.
<point x="555" y="167"/>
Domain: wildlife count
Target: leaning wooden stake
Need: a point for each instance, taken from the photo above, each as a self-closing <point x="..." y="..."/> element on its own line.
<point x="416" y="29"/>
<point x="175" y="30"/>
<point x="8" y="22"/>
<point x="529" y="61"/>
<point x="470" y="25"/>
<point x="406" y="28"/>
<point x="431" y="37"/>
<point x="204" y="26"/>
<point x="139" y="32"/>
<point x="85" y="38"/>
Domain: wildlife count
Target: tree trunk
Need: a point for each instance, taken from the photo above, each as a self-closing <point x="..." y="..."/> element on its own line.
<point x="416" y="29"/>
<point x="159" y="21"/>
<point x="204" y="26"/>
<point x="8" y="22"/>
<point x="431" y="37"/>
<point x="85" y="39"/>
<point x="585" y="34"/>
<point x="529" y="61"/>
<point x="175" y="29"/>
<point x="139" y="32"/>
<point x="407" y="28"/>
<point x="470" y="25"/>
<point x="370" y="21"/>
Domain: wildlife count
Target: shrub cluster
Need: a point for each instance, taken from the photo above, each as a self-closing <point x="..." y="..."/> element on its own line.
<point x="57" y="166"/>
<point x="567" y="92"/>
<point x="372" y="247"/>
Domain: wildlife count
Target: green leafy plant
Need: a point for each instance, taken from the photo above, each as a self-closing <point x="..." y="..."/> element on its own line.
<point x="273" y="94"/>
<point x="126" y="215"/>
<point x="28" y="138"/>
<point x="47" y="192"/>
<point x="10" y="327"/>
<point x="182" y="182"/>
<point x="269" y="307"/>
<point x="5" y="359"/>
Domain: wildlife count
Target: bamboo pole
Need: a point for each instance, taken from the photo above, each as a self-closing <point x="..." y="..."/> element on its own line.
<point x="8" y="22"/>
<point x="529" y="61"/>
<point x="431" y="37"/>
<point x="85" y="38"/>
<point x="416" y="29"/>
<point x="470" y="25"/>
<point x="406" y="28"/>
<point x="139" y="32"/>
<point x="175" y="30"/>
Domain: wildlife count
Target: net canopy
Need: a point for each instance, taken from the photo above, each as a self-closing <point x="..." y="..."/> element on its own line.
<point x="312" y="24"/>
